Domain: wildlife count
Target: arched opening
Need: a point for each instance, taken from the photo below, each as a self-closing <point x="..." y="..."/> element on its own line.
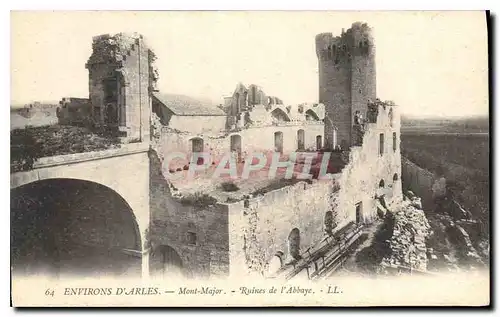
<point x="294" y="243"/>
<point x="275" y="263"/>
<point x="334" y="139"/>
<point x="165" y="262"/>
<point x="395" y="177"/>
<point x="391" y="118"/>
<point x="197" y="147"/>
<point x="311" y="115"/>
<point x="300" y="140"/>
<point x="279" y="115"/>
<point x="381" y="184"/>
<point x="319" y="142"/>
<point x="235" y="146"/>
<point x="111" y="115"/>
<point x="278" y="141"/>
<point x="73" y="227"/>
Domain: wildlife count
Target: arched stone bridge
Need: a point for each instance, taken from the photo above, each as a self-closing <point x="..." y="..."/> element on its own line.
<point x="74" y="213"/>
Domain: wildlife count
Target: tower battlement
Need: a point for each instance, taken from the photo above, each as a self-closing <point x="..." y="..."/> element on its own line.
<point x="357" y="40"/>
<point x="347" y="79"/>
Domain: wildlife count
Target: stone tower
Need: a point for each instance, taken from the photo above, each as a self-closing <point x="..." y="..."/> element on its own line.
<point x="347" y="80"/>
<point x="121" y="78"/>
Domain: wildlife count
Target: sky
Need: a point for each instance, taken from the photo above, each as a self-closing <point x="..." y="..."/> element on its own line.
<point x="428" y="63"/>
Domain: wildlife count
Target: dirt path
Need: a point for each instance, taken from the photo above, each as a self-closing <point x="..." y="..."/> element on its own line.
<point x="363" y="257"/>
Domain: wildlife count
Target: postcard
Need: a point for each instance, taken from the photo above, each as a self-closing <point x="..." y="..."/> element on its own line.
<point x="249" y="158"/>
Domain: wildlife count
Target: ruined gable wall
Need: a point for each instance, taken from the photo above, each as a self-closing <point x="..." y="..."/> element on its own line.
<point x="198" y="124"/>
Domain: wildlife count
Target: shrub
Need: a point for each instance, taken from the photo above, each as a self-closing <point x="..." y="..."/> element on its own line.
<point x="198" y="200"/>
<point x="229" y="187"/>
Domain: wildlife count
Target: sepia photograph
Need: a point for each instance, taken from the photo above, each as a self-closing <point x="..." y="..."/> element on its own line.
<point x="249" y="158"/>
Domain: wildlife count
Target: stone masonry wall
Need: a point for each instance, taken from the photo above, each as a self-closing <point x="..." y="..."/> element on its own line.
<point x="259" y="227"/>
<point x="252" y="139"/>
<point x="420" y="181"/>
<point x="360" y="179"/>
<point x="174" y="224"/>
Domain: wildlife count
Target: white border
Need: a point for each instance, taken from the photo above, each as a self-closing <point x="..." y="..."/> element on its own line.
<point x="196" y="5"/>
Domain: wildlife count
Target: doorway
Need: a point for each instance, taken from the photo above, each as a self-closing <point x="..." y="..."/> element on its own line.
<point x="319" y="142"/>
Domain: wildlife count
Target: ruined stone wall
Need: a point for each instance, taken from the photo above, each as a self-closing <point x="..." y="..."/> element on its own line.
<point x="198" y="124"/>
<point x="74" y="111"/>
<point x="252" y="139"/>
<point x="420" y="181"/>
<point x="260" y="227"/>
<point x="119" y="74"/>
<point x="360" y="179"/>
<point x="175" y="224"/>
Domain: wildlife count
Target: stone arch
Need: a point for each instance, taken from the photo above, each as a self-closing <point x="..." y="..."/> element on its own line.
<point x="311" y="115"/>
<point x="73" y="227"/>
<point x="301" y="139"/>
<point x="165" y="262"/>
<point x="280" y="115"/>
<point x="381" y="184"/>
<point x="294" y="244"/>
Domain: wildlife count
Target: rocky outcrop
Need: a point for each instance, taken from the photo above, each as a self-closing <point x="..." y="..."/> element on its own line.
<point x="410" y="231"/>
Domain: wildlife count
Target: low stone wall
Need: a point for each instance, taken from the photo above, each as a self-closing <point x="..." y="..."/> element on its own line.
<point x="422" y="182"/>
<point x="196" y="234"/>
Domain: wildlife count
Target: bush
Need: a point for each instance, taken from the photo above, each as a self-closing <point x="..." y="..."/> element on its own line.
<point x="229" y="187"/>
<point x="198" y="200"/>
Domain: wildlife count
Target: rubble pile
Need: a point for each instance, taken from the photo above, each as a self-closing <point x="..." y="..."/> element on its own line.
<point x="410" y="231"/>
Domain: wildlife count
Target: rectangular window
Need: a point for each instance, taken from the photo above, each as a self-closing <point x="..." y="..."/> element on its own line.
<point x="394" y="141"/>
<point x="381" y="144"/>
<point x="191" y="238"/>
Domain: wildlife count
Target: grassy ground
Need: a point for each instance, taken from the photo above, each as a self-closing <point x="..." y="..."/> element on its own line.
<point x="30" y="143"/>
<point x="464" y="161"/>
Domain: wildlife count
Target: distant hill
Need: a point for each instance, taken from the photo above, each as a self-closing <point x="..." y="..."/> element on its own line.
<point x="479" y="124"/>
<point x="38" y="114"/>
